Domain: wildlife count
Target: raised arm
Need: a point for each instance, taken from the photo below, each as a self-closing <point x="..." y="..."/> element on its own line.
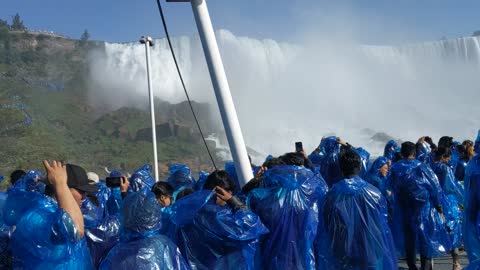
<point x="57" y="176"/>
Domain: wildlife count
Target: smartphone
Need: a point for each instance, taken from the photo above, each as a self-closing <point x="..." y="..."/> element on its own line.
<point x="298" y="146"/>
<point x="113" y="182"/>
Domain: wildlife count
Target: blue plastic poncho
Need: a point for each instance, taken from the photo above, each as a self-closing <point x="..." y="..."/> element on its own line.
<point x="454" y="196"/>
<point x="355" y="215"/>
<point x="202" y="177"/>
<point x="455" y="157"/>
<point x="103" y="237"/>
<point x="329" y="165"/>
<point x="374" y="177"/>
<point x="214" y="237"/>
<point x="232" y="172"/>
<point x="114" y="202"/>
<point x="116" y="173"/>
<point x="180" y="177"/>
<point x="390" y="149"/>
<point x="45" y="236"/>
<point x="316" y="157"/>
<point x="471" y="222"/>
<point x="102" y="195"/>
<point x="475" y="265"/>
<point x="106" y="232"/>
<point x="5" y="234"/>
<point x="476" y="146"/>
<point x="460" y="170"/>
<point x="424" y="153"/>
<point x="417" y="194"/>
<point x="141" y="178"/>
<point x="365" y="157"/>
<point x="141" y="246"/>
<point x="92" y="214"/>
<point x="288" y="206"/>
<point x="31" y="182"/>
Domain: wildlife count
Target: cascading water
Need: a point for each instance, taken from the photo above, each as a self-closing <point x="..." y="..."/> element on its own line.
<point x="285" y="93"/>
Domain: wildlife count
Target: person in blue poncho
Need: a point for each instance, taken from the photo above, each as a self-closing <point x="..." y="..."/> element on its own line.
<point x="141" y="247"/>
<point x="326" y="158"/>
<point x="424" y="151"/>
<point x="257" y="181"/>
<point x="454" y="195"/>
<point x="466" y="152"/>
<point x="330" y="149"/>
<point x="49" y="234"/>
<point x="16" y="175"/>
<point x="418" y="212"/>
<point x="141" y="178"/>
<point x="103" y="232"/>
<point x="448" y="142"/>
<point x="476" y="146"/>
<point x="287" y="201"/>
<point x="164" y="193"/>
<point x="471" y="225"/>
<point x="377" y="175"/>
<point x="355" y="216"/>
<point x="391" y="148"/>
<point x="180" y="177"/>
<point x="215" y="230"/>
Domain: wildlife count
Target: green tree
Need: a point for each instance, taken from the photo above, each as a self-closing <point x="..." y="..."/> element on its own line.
<point x="84" y="38"/>
<point x="17" y="23"/>
<point x="4" y="24"/>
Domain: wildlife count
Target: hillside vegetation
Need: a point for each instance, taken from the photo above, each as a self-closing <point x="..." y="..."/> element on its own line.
<point x="44" y="113"/>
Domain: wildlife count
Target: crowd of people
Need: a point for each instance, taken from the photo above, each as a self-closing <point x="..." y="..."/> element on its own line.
<point x="333" y="209"/>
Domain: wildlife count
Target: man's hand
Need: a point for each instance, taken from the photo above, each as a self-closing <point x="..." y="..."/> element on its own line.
<point x="124" y="184"/>
<point x="421" y="140"/>
<point x="57" y="172"/>
<point x="260" y="172"/>
<point x="223" y="194"/>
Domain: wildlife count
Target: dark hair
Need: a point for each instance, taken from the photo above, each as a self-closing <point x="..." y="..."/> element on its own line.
<point x="293" y="158"/>
<point x="184" y="193"/>
<point x="408" y="149"/>
<point x="429" y="140"/>
<point x="350" y="163"/>
<point x="162" y="189"/>
<point x="397" y="157"/>
<point x="442" y="152"/>
<point x="273" y="162"/>
<point x="462" y="151"/>
<point x="49" y="190"/>
<point x="15" y="175"/>
<point x="251" y="185"/>
<point x="221" y="179"/>
<point x="445" y="141"/>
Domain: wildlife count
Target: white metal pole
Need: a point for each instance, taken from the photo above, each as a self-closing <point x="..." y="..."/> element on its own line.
<point x="149" y="43"/>
<point x="222" y="91"/>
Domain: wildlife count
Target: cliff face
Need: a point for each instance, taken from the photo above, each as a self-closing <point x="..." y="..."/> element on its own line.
<point x="36" y="41"/>
<point x="45" y="113"/>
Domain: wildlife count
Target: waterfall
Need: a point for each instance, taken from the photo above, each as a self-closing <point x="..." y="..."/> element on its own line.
<point x="300" y="92"/>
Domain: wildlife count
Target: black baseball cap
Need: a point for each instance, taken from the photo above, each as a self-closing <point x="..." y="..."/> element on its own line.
<point x="77" y="179"/>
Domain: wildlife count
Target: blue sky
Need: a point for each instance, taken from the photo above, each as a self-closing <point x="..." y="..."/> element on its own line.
<point x="372" y="21"/>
